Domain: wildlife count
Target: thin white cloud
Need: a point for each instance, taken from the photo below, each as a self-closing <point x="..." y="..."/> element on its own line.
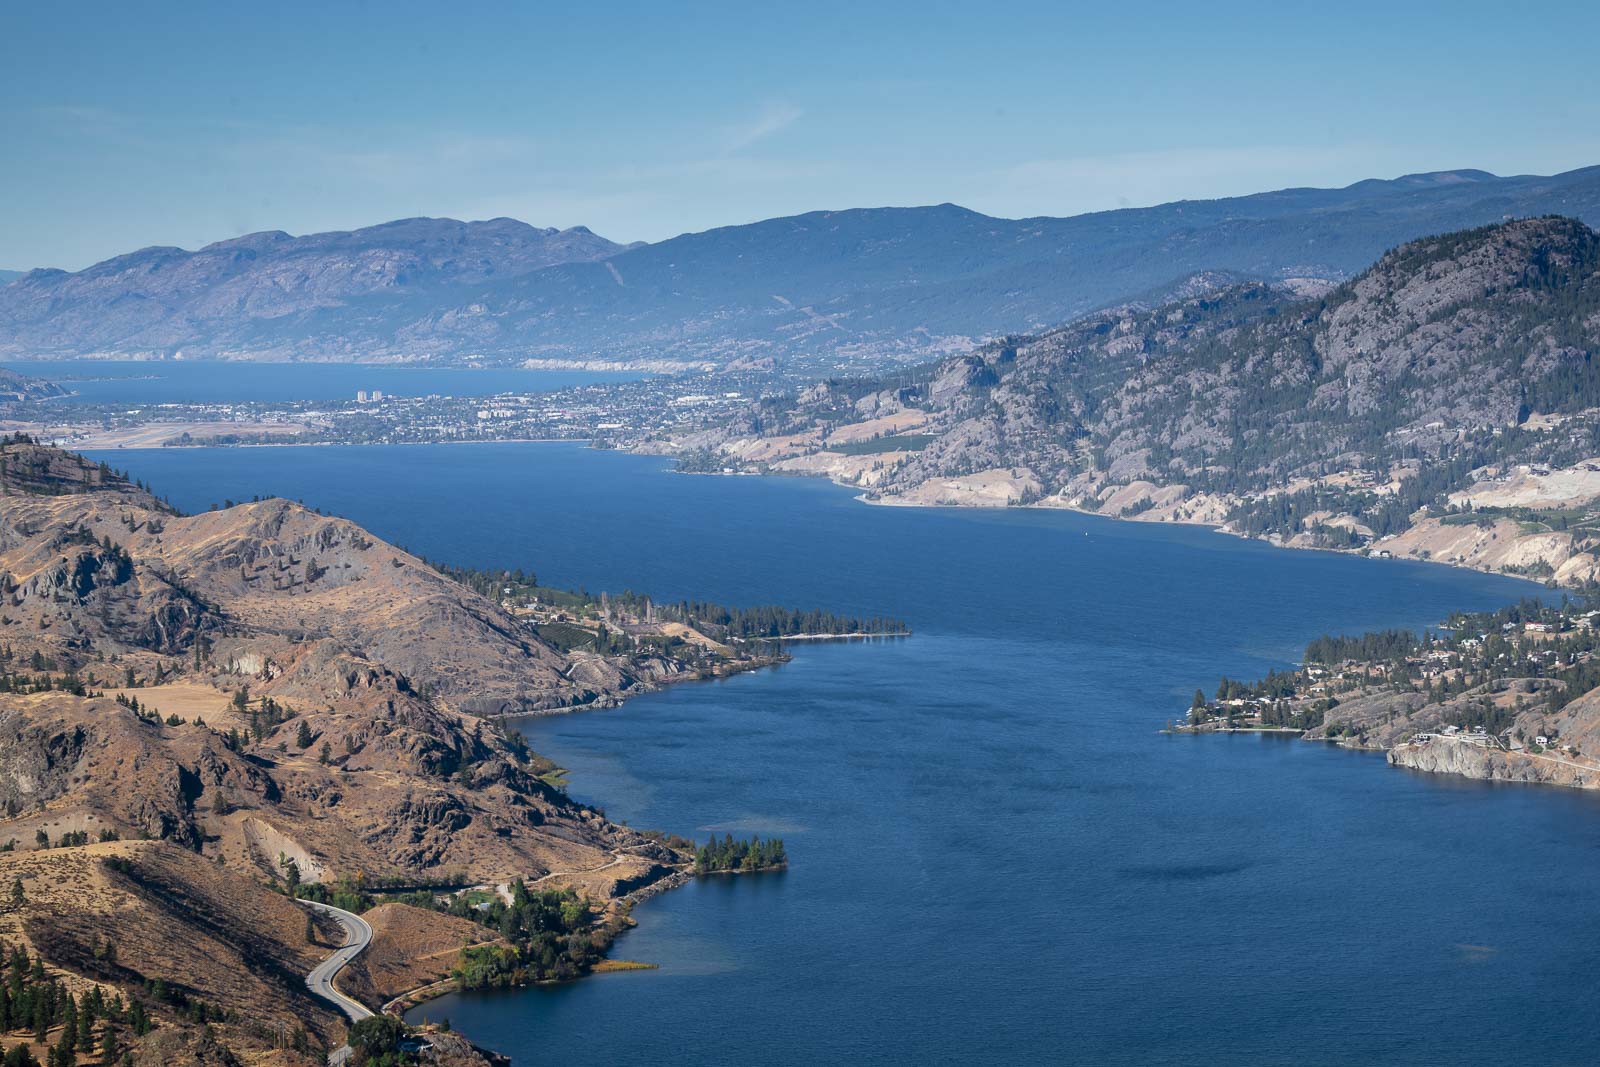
<point x="774" y="117"/>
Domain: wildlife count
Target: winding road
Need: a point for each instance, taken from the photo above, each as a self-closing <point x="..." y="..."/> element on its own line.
<point x="357" y="936"/>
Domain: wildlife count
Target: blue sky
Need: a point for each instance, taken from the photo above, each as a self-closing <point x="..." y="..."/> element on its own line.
<point x="134" y="124"/>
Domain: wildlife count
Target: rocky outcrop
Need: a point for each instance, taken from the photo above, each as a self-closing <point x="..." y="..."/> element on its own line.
<point x="1446" y="755"/>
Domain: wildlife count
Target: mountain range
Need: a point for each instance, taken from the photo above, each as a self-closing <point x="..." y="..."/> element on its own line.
<point x="1451" y="391"/>
<point x="854" y="288"/>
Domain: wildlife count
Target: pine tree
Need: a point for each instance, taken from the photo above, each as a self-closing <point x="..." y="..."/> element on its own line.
<point x="85" y="1023"/>
<point x="69" y="1025"/>
<point x="65" y="1054"/>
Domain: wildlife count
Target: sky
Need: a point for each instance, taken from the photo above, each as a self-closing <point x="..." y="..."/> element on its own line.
<point x="127" y="125"/>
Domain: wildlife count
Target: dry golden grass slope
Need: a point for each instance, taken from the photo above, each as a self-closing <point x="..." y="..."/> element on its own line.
<point x="411" y="947"/>
<point x="252" y="686"/>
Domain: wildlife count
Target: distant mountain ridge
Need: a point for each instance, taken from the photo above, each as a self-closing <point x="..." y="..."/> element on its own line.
<point x="853" y="288"/>
<point x="227" y="294"/>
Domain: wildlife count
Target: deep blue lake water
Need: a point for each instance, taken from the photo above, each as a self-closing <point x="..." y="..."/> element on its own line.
<point x="219" y="382"/>
<point x="995" y="856"/>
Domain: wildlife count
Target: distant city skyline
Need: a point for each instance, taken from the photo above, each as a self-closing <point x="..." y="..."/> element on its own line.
<point x="184" y="124"/>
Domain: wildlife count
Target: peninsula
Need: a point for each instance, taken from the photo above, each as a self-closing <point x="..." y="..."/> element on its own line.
<point x="210" y="718"/>
<point x="1510" y="695"/>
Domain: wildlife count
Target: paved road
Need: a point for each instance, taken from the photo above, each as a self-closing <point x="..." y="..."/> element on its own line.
<point x="357" y="936"/>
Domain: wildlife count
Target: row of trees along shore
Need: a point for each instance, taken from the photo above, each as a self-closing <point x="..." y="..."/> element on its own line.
<point x="762" y="621"/>
<point x="731" y="855"/>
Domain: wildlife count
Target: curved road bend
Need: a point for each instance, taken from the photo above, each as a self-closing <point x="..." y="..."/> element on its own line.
<point x="357" y="936"/>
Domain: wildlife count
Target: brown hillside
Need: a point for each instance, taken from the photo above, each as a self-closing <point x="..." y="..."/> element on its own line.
<point x="264" y="693"/>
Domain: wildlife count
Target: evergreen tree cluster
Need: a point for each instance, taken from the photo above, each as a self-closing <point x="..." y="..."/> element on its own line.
<point x="772" y="620"/>
<point x="40" y="673"/>
<point x="376" y="1042"/>
<point x="1368" y="648"/>
<point x="717" y="620"/>
<point x="91" y="1025"/>
<point x="731" y="855"/>
<point x="1276" y="685"/>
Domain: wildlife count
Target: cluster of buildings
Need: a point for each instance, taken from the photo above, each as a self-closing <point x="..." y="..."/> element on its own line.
<point x="659" y="404"/>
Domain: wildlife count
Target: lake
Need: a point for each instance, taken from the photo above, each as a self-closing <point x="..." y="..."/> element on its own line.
<point x="995" y="855"/>
<point x="219" y="382"/>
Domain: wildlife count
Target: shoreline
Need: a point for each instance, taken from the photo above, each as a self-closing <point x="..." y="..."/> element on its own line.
<point x="676" y="878"/>
<point x="622" y="906"/>
<point x="609" y="701"/>
<point x="1217" y="528"/>
<point x="860" y="497"/>
<point x="82" y="446"/>
<point x="831" y="637"/>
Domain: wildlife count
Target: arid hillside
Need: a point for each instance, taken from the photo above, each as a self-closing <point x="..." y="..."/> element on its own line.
<point x="196" y="710"/>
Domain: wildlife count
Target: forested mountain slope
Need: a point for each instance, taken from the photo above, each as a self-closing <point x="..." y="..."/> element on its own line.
<point x="1440" y="368"/>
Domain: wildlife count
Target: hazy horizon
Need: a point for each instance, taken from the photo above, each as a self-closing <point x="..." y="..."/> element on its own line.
<point x="808" y="211"/>
<point x="184" y="125"/>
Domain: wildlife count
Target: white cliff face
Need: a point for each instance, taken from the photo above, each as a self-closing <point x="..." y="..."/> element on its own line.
<point x="1451" y="756"/>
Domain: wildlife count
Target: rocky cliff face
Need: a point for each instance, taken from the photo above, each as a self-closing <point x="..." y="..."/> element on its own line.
<point x="1445" y="756"/>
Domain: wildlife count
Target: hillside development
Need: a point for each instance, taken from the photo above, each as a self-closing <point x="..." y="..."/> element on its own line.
<point x="207" y="715"/>
<point x="1442" y="405"/>
<point x="1512" y="695"/>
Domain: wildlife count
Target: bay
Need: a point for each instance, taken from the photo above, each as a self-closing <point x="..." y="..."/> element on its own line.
<point x="996" y="857"/>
